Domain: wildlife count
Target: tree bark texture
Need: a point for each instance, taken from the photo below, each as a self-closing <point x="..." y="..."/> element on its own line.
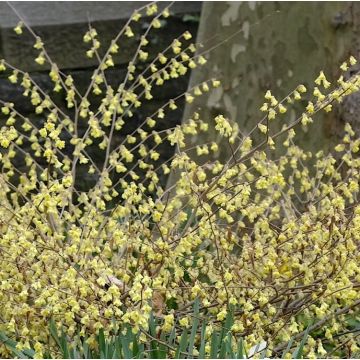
<point x="275" y="45"/>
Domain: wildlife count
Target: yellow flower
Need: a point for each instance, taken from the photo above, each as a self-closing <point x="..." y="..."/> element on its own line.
<point x="328" y="108"/>
<point x="264" y="107"/>
<point x="151" y="9"/>
<point x="156" y="23"/>
<point x="128" y="32"/>
<point x="43" y="132"/>
<point x="221" y="315"/>
<point x="136" y="16"/>
<point x="301" y="88"/>
<point x="2" y="65"/>
<point x="38" y="44"/>
<point x="187" y="35"/>
<point x="321" y="79"/>
<point x="310" y="108"/>
<point x="215" y="83"/>
<point x="201" y="60"/>
<point x="272" y="114"/>
<point x="263" y="128"/>
<point x="18" y="28"/>
<point x="184" y="322"/>
<point x="223" y="126"/>
<point x="40" y="59"/>
<point x="13" y="78"/>
<point x="352" y="61"/>
<point x="305" y="120"/>
<point x="143" y="55"/>
<point x="189" y="98"/>
<point x="344" y="66"/>
<point x="282" y="109"/>
<point x="162" y="58"/>
<point x="268" y="95"/>
<point x="166" y="13"/>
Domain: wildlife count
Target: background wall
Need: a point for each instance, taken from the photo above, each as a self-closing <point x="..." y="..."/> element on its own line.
<point x="61" y="25"/>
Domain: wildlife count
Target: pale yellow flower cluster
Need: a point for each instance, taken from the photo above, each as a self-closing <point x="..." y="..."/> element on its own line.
<point x="277" y="239"/>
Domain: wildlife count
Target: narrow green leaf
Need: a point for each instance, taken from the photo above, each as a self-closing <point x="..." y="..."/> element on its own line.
<point x="241" y="349"/>
<point x="29" y="353"/>
<point x="288" y="347"/>
<point x="194" y="326"/>
<point x="135" y="348"/>
<point x="202" y="340"/>
<point x="74" y="348"/>
<point x="117" y="353"/>
<point x="223" y="345"/>
<point x="214" y="349"/>
<point x="125" y="344"/>
<point x="110" y="348"/>
<point x="298" y="353"/>
<point x="64" y="346"/>
<point x="102" y="344"/>
<point x="171" y="340"/>
<point x="153" y="343"/>
<point x="54" y="333"/>
<point x="229" y="321"/>
<point x="75" y="354"/>
<point x="229" y="354"/>
<point x="11" y="345"/>
<point x="162" y="352"/>
<point x="182" y="345"/>
<point x="86" y="349"/>
<point x="142" y="353"/>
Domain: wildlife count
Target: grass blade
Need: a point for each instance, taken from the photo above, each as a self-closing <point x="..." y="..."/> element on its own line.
<point x="182" y="345"/>
<point x="153" y="343"/>
<point x="64" y="346"/>
<point x="86" y="349"/>
<point x="298" y="353"/>
<point x="118" y="347"/>
<point x="229" y="354"/>
<point x="54" y="333"/>
<point x="202" y="340"/>
<point x="11" y="345"/>
<point x="215" y="340"/>
<point x="225" y="331"/>
<point x="241" y="353"/>
<point x="171" y="340"/>
<point x="135" y="348"/>
<point x="288" y="347"/>
<point x="102" y="344"/>
<point x="162" y="352"/>
<point x="125" y="344"/>
<point x="194" y="326"/>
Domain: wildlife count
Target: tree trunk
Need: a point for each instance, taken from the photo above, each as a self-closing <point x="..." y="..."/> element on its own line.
<point x="277" y="46"/>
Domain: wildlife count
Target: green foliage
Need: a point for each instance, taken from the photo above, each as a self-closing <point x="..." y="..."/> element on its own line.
<point x="127" y="345"/>
<point x="298" y="353"/>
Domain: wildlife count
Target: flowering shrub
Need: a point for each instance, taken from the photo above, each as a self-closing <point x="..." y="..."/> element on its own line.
<point x="277" y="239"/>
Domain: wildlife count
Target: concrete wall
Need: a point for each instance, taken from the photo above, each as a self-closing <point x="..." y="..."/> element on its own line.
<point x="41" y="13"/>
<point x="62" y="24"/>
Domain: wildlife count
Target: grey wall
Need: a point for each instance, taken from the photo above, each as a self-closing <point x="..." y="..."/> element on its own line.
<point x="40" y="13"/>
<point x="62" y="25"/>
